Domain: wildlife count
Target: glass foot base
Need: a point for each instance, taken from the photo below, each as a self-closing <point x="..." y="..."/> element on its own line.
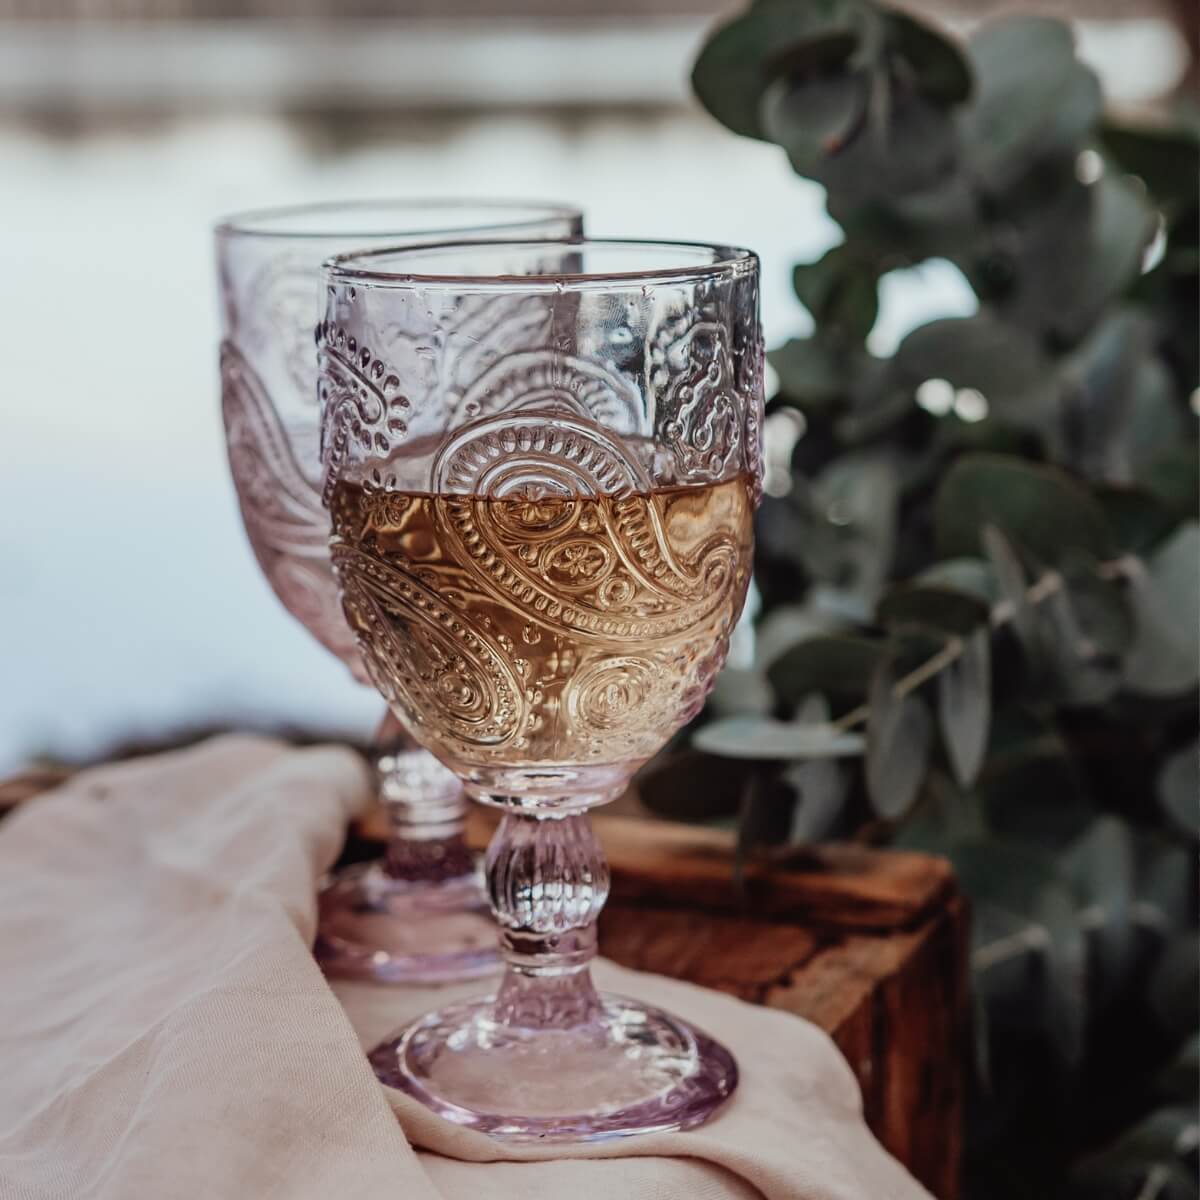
<point x="631" y="1069"/>
<point x="375" y="927"/>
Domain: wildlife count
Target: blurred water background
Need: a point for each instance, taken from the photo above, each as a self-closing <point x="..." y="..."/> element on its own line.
<point x="130" y="605"/>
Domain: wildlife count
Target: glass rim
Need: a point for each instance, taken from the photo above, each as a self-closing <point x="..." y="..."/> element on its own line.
<point x="258" y="222"/>
<point x="725" y="260"/>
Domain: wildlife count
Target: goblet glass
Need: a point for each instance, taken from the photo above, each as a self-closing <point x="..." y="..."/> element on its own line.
<point x="542" y="548"/>
<point x="419" y="914"/>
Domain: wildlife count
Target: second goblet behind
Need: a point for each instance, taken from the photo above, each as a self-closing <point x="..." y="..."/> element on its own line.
<point x="419" y="913"/>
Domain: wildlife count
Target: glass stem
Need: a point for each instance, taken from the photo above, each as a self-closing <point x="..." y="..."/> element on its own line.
<point x="425" y="839"/>
<point x="547" y="879"/>
<point x="425" y="843"/>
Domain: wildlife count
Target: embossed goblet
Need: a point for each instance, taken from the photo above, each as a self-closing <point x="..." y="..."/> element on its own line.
<point x="419" y="913"/>
<point x="543" y="540"/>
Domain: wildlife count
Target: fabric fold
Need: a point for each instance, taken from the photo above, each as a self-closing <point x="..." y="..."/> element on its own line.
<point x="165" y="1032"/>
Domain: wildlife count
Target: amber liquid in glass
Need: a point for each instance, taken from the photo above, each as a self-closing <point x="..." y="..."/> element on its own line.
<point x="544" y="642"/>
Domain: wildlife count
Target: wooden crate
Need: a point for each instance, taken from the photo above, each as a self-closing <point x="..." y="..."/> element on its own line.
<point x="870" y="945"/>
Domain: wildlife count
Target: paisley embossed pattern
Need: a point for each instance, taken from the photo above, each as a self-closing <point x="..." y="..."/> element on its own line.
<point x="560" y="613"/>
<point x="363" y="411"/>
<point x="287" y="527"/>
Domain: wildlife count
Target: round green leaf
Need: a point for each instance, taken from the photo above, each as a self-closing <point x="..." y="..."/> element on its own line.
<point x="764" y="817"/>
<point x="811" y="376"/>
<point x="1033" y="98"/>
<point x="815" y="120"/>
<point x="931" y="607"/>
<point x="764" y="738"/>
<point x="965" y="706"/>
<point x="819" y="783"/>
<point x="938" y="68"/>
<point x="1166" y="159"/>
<point x="1121" y="227"/>
<point x="899" y="734"/>
<point x="840" y="291"/>
<point x="1003" y="871"/>
<point x="1101" y="865"/>
<point x="1138" y="519"/>
<point x="1165" y="657"/>
<point x="837" y="664"/>
<point x="690" y="786"/>
<point x="771" y="39"/>
<point x="1179" y="788"/>
<point x="1174" y="477"/>
<point x="1041" y="508"/>
<point x="908" y="152"/>
<point x="1174" y="985"/>
<point x="1030" y="787"/>
<point x="741" y="691"/>
<point x="1012" y="585"/>
<point x="788" y="625"/>
<point x="971" y="576"/>
<point x="1066" y="1011"/>
<point x="998" y="359"/>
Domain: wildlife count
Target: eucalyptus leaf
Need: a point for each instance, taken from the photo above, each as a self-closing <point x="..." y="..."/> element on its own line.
<point x="1178" y="789"/>
<point x="840" y="291"/>
<point x="1174" y="477"/>
<point x="1006" y="956"/>
<point x="971" y="576"/>
<point x="1159" y="423"/>
<point x="1079" y="669"/>
<point x="1149" y="1162"/>
<point x="1165" y="657"/>
<point x="1101" y="864"/>
<point x="761" y="819"/>
<point x="1033" y="99"/>
<point x="1006" y="872"/>
<point x="1164" y="900"/>
<point x="1012" y="585"/>
<point x="1122" y="226"/>
<point x="810" y="373"/>
<point x="1174" y="985"/>
<point x="1100" y="397"/>
<point x="789" y="624"/>
<point x="1041" y="508"/>
<point x="965" y="706"/>
<point x="938" y="67"/>
<point x="770" y="40"/>
<point x="815" y="118"/>
<point x="1030" y="788"/>
<point x="741" y="691"/>
<point x="899" y="735"/>
<point x="690" y="786"/>
<point x="834" y="664"/>
<point x="820" y="784"/>
<point x="1165" y="158"/>
<point x="1001" y="361"/>
<point x="904" y="154"/>
<point x="1072" y="253"/>
<point x="931" y="607"/>
<point x="764" y="738"/>
<point x="858" y="494"/>
<point x="1179" y="1080"/>
<point x="1066" y="1000"/>
<point x="1138" y="519"/>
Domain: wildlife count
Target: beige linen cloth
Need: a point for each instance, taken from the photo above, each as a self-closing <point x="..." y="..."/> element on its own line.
<point x="165" y="1032"/>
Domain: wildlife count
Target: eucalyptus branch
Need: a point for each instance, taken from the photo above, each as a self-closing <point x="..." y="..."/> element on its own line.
<point x="1003" y="612"/>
